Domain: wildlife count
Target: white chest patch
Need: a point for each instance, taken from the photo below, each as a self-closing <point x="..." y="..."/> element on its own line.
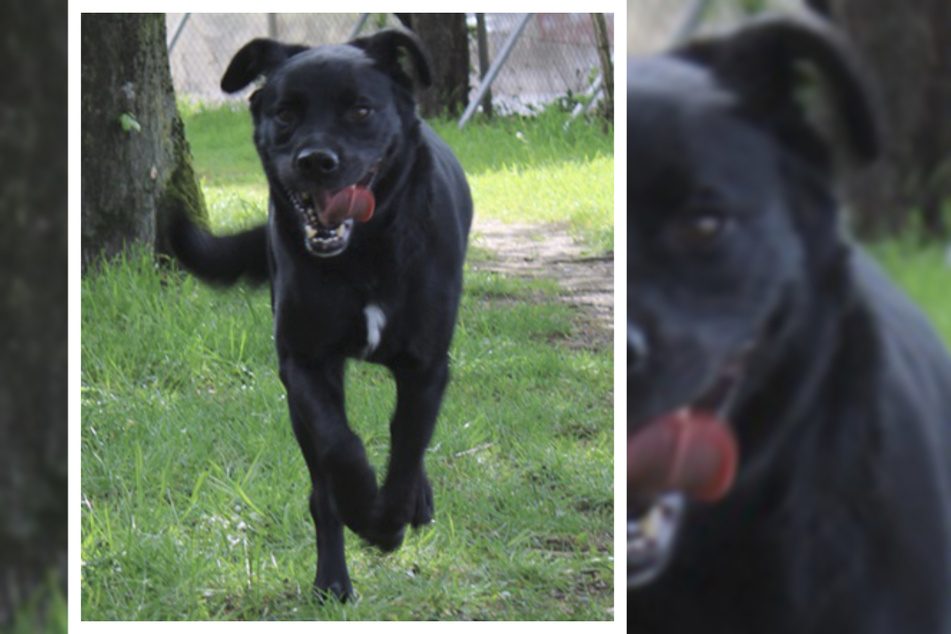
<point x="376" y="322"/>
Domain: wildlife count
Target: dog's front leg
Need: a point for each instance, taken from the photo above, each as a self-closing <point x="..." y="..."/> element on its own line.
<point x="333" y="578"/>
<point x="344" y="489"/>
<point x="406" y="496"/>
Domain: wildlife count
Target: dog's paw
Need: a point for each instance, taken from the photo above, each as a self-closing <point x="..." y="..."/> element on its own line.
<point x="409" y="504"/>
<point x="425" y="506"/>
<point x="387" y="528"/>
<point x="386" y="538"/>
<point x="340" y="590"/>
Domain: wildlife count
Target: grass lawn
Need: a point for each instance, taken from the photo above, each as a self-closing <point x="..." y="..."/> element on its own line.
<point x="43" y="611"/>
<point x="194" y="491"/>
<point x="925" y="276"/>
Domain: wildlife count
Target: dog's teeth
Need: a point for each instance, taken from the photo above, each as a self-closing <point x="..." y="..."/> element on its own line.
<point x="650" y="526"/>
<point x="310" y="231"/>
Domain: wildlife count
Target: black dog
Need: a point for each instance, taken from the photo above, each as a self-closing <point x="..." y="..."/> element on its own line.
<point x="789" y="411"/>
<point x="364" y="246"/>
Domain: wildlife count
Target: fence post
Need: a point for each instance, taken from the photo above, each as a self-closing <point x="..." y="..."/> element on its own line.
<point x="592" y="93"/>
<point x="689" y="22"/>
<point x="494" y="69"/>
<point x="178" y="32"/>
<point x="482" y="41"/>
<point x="361" y="21"/>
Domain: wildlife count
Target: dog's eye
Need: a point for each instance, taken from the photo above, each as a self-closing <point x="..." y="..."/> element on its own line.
<point x="697" y="231"/>
<point x="359" y="113"/>
<point x="285" y="116"/>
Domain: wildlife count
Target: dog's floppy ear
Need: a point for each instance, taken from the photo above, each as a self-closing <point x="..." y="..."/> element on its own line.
<point x="390" y="49"/>
<point x="767" y="63"/>
<point x="257" y="57"/>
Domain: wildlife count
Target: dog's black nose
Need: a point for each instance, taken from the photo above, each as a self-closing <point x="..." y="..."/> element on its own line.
<point x="636" y="348"/>
<point x="317" y="161"/>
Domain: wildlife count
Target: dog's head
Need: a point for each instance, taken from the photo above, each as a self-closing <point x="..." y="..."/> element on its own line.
<point x="732" y="228"/>
<point x="327" y="122"/>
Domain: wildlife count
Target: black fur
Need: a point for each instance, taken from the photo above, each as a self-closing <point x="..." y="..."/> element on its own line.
<point x="352" y="106"/>
<point x="242" y="256"/>
<point x="840" y="519"/>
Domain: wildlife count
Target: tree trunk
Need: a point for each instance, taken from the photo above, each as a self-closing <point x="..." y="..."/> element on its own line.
<point x="135" y="160"/>
<point x="445" y="37"/>
<point x="907" y="47"/>
<point x="33" y="201"/>
<point x="607" y="66"/>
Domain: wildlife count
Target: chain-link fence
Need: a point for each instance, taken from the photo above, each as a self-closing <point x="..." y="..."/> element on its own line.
<point x="555" y="56"/>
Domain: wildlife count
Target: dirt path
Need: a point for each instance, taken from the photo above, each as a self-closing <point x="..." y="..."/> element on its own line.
<point x="548" y="251"/>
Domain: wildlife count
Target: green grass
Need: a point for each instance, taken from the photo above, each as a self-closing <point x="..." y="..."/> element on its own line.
<point x="924" y="275"/>
<point x="194" y="491"/>
<point x="44" y="611"/>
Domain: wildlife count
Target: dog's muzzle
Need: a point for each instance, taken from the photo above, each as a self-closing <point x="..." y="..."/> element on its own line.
<point x="689" y="454"/>
<point x="328" y="217"/>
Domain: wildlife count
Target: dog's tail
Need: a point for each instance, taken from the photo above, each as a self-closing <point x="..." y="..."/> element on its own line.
<point x="220" y="260"/>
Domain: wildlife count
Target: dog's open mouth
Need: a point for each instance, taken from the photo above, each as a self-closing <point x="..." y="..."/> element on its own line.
<point x="688" y="454"/>
<point x="328" y="217"/>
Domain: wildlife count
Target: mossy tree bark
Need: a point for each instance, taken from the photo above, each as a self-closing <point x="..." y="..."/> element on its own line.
<point x="136" y="163"/>
<point x="33" y="447"/>
<point x="446" y="38"/>
<point x="907" y="47"/>
<point x="607" y="65"/>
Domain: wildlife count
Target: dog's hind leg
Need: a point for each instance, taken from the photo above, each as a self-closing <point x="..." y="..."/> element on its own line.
<point x="406" y="496"/>
<point x="344" y="484"/>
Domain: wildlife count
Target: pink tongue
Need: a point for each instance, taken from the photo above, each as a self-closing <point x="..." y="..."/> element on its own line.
<point x="686" y="451"/>
<point x="351" y="202"/>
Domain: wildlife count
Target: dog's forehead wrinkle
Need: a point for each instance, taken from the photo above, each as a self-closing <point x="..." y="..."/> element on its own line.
<point x="340" y="54"/>
<point x="337" y="68"/>
<point x="678" y="147"/>
<point x="831" y="383"/>
<point x="735" y="166"/>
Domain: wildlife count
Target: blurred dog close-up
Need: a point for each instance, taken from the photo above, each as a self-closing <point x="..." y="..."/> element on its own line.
<point x="789" y="409"/>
